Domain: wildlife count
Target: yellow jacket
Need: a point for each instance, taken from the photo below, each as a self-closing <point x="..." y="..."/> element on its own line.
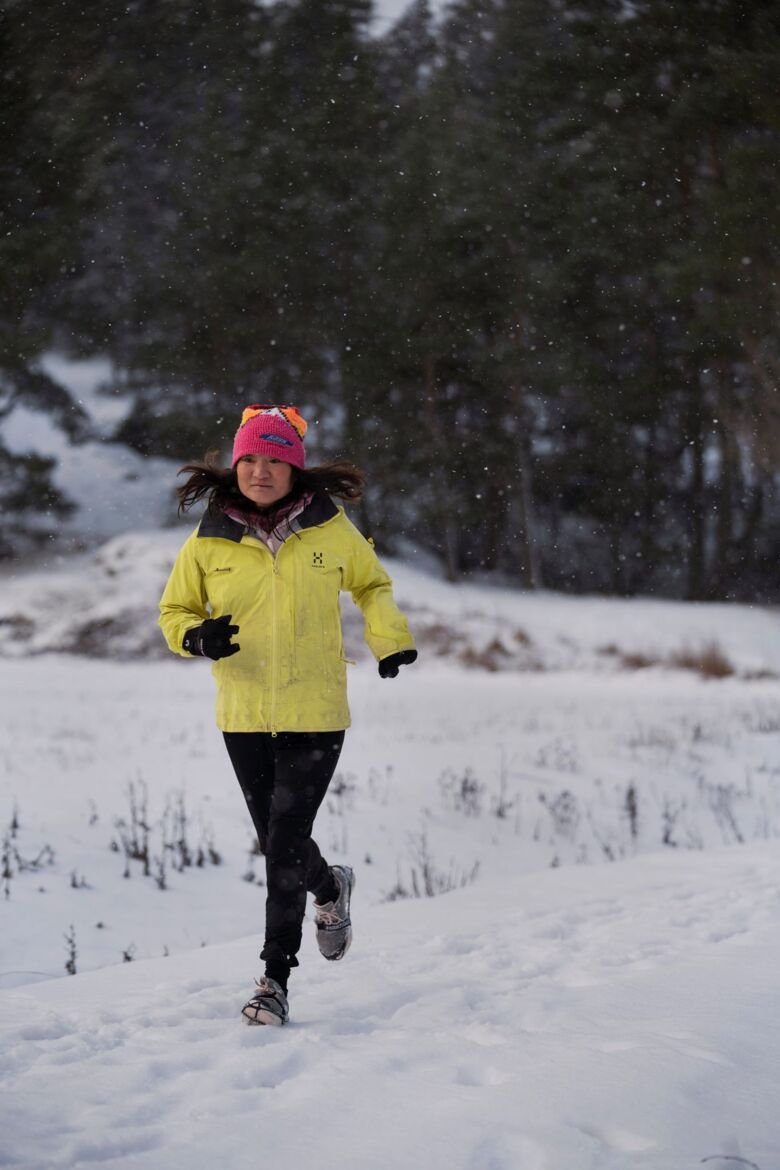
<point x="290" y="674"/>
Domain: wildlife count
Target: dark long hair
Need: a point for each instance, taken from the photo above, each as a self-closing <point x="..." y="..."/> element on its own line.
<point x="219" y="484"/>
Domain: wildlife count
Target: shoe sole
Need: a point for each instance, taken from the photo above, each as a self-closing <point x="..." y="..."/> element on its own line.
<point x="341" y="954"/>
<point x="263" y="1017"/>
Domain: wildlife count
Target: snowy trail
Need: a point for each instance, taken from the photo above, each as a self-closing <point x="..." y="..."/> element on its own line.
<point x="626" y="1021"/>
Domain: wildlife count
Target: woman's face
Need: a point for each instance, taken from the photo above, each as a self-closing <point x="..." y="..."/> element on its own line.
<point x="263" y="480"/>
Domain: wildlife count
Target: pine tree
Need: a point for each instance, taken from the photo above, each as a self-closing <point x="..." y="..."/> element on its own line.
<point x="647" y="352"/>
<point x="37" y="176"/>
<point x="272" y="196"/>
<point x="460" y="282"/>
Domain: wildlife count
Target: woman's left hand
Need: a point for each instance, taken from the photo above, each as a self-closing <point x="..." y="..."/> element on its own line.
<point x="388" y="667"/>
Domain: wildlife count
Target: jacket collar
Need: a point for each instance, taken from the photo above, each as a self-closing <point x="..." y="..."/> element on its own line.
<point x="216" y="523"/>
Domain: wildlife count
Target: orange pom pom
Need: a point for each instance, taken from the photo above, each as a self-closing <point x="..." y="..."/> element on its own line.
<point x="289" y="413"/>
<point x="295" y="419"/>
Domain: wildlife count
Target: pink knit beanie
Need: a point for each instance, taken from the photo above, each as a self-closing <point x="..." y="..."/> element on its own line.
<point x="274" y="431"/>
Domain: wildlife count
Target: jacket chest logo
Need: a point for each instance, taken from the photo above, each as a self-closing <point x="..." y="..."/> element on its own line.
<point x="318" y="560"/>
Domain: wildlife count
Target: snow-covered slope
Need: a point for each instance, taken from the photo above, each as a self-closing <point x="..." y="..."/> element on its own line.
<point x="567" y="920"/>
<point x="104" y="604"/>
<point x="113" y="488"/>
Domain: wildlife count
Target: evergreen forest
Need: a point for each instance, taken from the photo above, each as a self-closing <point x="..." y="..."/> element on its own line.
<point x="519" y="259"/>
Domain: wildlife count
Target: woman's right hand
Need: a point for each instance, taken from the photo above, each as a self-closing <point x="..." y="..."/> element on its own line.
<point x="212" y="638"/>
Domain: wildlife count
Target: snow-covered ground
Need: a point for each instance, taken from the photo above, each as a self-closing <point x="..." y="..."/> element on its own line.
<point x="623" y="1017"/>
<point x="590" y="984"/>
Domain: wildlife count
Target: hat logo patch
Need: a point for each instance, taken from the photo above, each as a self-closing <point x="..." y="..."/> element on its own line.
<point x="278" y="439"/>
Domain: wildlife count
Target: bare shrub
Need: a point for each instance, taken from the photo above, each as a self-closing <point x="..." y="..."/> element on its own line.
<point x="136" y="832"/>
<point x="606" y="838"/>
<point x="763" y="721"/>
<point x="559" y="756"/>
<point x="6" y="873"/>
<point x="564" y="812"/>
<point x="652" y="737"/>
<point x="160" y="874"/>
<point x="708" y="660"/>
<point x="496" y="656"/>
<point x="512" y="651"/>
<point x="440" y="638"/>
<point x="12" y="861"/>
<point x="462" y="791"/>
<point x="631" y="805"/>
<point x="676" y="832"/>
<point x="491" y="657"/>
<point x="637" y="660"/>
<point x="97" y="637"/>
<point x="501" y="805"/>
<point x="176" y="833"/>
<point x="341" y="792"/>
<point x="426" y="880"/>
<point x="722" y="798"/>
<point x="71" y="952"/>
<point x="207" y="850"/>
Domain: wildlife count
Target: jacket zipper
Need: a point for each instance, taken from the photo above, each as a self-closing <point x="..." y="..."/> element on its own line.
<point x="274" y="643"/>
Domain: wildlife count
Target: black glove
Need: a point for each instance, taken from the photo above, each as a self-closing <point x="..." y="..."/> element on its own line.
<point x="388" y="667"/>
<point x="212" y="639"/>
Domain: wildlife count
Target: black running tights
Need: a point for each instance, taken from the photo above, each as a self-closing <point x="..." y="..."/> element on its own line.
<point x="284" y="779"/>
